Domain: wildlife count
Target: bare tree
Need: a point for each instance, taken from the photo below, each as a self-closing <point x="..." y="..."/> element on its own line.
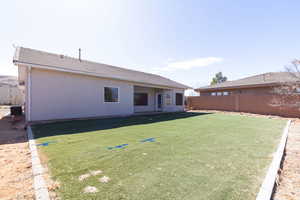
<point x="287" y="93"/>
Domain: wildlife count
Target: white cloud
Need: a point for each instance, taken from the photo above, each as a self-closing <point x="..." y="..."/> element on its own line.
<point x="189" y="64"/>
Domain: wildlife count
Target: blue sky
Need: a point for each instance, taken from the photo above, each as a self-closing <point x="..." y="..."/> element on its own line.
<point x="188" y="41"/>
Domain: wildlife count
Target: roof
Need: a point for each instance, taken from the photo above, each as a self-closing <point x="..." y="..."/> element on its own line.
<point x="8" y="80"/>
<point x="261" y="80"/>
<point x="40" y="59"/>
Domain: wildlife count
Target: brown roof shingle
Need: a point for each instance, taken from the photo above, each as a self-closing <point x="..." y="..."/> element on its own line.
<point x="271" y="78"/>
<point x="61" y="62"/>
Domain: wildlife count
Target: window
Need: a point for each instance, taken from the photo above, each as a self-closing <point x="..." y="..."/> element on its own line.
<point x="219" y="93"/>
<point x="213" y="94"/>
<point x="140" y="99"/>
<point x="225" y="93"/>
<point x="111" y="94"/>
<point x="179" y="99"/>
<point x="168" y="99"/>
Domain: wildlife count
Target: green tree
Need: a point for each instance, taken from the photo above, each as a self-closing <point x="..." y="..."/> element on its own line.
<point x="219" y="78"/>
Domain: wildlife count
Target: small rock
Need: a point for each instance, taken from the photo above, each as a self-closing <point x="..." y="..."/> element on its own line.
<point x="90" y="189"/>
<point x="55" y="185"/>
<point x="104" y="179"/>
<point x="96" y="172"/>
<point x="83" y="176"/>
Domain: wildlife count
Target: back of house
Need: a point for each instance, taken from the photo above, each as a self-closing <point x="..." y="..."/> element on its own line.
<point x="61" y="87"/>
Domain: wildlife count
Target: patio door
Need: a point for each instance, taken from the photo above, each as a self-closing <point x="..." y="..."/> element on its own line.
<point x="159" y="101"/>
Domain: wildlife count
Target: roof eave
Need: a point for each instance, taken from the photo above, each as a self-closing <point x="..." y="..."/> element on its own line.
<point x="16" y="55"/>
<point x="48" y="67"/>
<point x="237" y="87"/>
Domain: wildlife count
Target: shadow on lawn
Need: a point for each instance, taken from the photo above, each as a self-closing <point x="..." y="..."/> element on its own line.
<point x="79" y="126"/>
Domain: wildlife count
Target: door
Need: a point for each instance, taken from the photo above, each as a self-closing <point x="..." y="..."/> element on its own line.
<point x="159" y="102"/>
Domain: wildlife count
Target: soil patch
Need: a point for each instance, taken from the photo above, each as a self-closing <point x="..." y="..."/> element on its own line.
<point x="289" y="180"/>
<point x="15" y="160"/>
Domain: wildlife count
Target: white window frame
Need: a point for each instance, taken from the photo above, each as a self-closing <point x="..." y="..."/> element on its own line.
<point x="110" y="101"/>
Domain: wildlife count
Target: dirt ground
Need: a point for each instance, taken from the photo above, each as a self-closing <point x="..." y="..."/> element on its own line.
<point x="289" y="180"/>
<point x="15" y="161"/>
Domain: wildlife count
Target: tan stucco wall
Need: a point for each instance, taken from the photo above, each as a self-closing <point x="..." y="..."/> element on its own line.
<point x="60" y="95"/>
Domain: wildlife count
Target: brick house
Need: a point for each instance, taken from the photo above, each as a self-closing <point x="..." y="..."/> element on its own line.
<point x="254" y="94"/>
<point x="258" y="84"/>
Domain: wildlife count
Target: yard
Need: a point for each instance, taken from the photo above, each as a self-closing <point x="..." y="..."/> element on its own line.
<point x="182" y="156"/>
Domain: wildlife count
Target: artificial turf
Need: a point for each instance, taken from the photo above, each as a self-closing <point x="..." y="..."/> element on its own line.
<point x="180" y="156"/>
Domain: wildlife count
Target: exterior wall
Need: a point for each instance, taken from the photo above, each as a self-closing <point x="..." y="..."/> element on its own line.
<point x="60" y="95"/>
<point x="11" y="95"/>
<point x="53" y="95"/>
<point x="169" y="104"/>
<point x="27" y="82"/>
<point x="151" y="99"/>
<point x="268" y="104"/>
<point x="213" y="102"/>
<point x="172" y="107"/>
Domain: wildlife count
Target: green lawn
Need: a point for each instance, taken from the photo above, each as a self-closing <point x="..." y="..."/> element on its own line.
<point x="194" y="156"/>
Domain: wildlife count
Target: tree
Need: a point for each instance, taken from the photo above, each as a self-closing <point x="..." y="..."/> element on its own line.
<point x="219" y="78"/>
<point x="287" y="93"/>
<point x="292" y="86"/>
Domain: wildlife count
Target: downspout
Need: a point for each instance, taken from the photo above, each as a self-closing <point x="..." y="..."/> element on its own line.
<point x="29" y="93"/>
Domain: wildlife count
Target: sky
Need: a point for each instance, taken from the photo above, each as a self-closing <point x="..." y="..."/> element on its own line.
<point x="187" y="41"/>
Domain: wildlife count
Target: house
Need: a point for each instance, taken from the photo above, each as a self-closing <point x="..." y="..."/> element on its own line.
<point x="61" y="87"/>
<point x="258" y="84"/>
<point x="10" y="93"/>
<point x="263" y="94"/>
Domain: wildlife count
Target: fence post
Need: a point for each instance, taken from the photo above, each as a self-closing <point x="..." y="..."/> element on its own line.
<point x="237" y="102"/>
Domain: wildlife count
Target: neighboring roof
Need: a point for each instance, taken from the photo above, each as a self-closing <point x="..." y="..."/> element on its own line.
<point x="8" y="80"/>
<point x="58" y="62"/>
<point x="261" y="80"/>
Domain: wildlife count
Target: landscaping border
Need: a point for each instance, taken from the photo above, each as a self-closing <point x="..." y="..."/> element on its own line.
<point x="267" y="187"/>
<point x="40" y="186"/>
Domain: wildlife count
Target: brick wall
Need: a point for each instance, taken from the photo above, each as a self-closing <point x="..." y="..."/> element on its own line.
<point x="288" y="106"/>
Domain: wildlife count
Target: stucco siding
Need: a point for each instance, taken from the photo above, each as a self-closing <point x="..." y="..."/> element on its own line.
<point x="151" y="99"/>
<point x="61" y="95"/>
<point x="172" y="107"/>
